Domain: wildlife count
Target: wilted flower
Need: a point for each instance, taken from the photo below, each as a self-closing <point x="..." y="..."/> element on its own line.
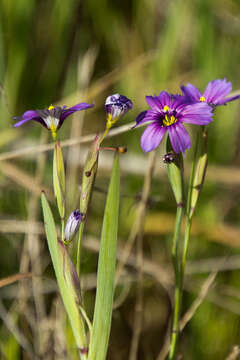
<point x="214" y="94"/>
<point x="52" y="117"/>
<point x="168" y="113"/>
<point x="72" y="224"/>
<point x="116" y="106"/>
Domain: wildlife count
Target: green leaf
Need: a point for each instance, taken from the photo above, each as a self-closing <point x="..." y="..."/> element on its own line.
<point x="199" y="169"/>
<point x="64" y="273"/>
<point x="106" y="270"/>
<point x="175" y="175"/>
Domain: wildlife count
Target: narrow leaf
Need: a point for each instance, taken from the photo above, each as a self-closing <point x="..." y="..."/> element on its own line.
<point x="106" y="270"/>
<point x="62" y="267"/>
<point x="200" y="168"/>
<point x="175" y="175"/>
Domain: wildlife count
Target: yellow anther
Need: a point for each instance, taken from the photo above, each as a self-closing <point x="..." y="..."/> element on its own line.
<point x="202" y="98"/>
<point x="51" y="107"/>
<point x="166" y="108"/>
<point x="167" y="121"/>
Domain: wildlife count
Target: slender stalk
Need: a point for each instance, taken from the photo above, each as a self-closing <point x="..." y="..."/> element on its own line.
<point x="62" y="229"/>
<point x="104" y="135"/>
<point x="189" y="212"/>
<point x="81" y="227"/>
<point x="177" y="292"/>
<point x="180" y="268"/>
<point x="185" y="246"/>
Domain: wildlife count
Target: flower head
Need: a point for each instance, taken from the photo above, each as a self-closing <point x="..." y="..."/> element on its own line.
<point x="116" y="106"/>
<point x="168" y="113"/>
<point x="72" y="224"/>
<point x="52" y="117"/>
<point x="214" y="94"/>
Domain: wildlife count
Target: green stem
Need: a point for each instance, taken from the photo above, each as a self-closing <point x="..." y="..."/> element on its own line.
<point x="62" y="229"/>
<point x="80" y="235"/>
<point x="177" y="292"/>
<point x="185" y="246"/>
<point x="189" y="212"/>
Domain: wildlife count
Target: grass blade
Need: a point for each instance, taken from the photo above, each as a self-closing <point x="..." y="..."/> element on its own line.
<point x="106" y="270"/>
<point x="62" y="267"/>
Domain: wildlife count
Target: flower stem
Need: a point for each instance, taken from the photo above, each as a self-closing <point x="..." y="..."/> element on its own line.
<point x="81" y="227"/>
<point x="104" y="135"/>
<point x="189" y="211"/>
<point x="62" y="229"/>
<point x="177" y="292"/>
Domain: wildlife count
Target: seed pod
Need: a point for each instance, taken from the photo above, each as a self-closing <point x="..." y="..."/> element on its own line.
<point x="59" y="179"/>
<point x="89" y="174"/>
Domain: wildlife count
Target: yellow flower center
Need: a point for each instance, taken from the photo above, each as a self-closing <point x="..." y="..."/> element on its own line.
<point x="202" y="98"/>
<point x="51" y="107"/>
<point x="169" y="120"/>
<point x="166" y="108"/>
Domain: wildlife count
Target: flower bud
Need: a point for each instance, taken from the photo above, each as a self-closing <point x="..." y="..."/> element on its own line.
<point x="116" y="106"/>
<point x="73" y="224"/>
<point x="168" y="158"/>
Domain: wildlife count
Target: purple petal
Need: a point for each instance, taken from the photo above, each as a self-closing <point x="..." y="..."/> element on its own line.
<point x="164" y="99"/>
<point x="179" y="138"/>
<point x="191" y="92"/>
<point x="141" y="118"/>
<point x="226" y="100"/>
<point x="198" y="113"/>
<point x="216" y="91"/>
<point x="27" y="116"/>
<point x="180" y="101"/>
<point x="73" y="109"/>
<point x="152" y="136"/>
<point x="146" y="116"/>
<point x="154" y="103"/>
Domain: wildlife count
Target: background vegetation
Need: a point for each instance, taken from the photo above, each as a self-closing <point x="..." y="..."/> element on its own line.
<point x="64" y="52"/>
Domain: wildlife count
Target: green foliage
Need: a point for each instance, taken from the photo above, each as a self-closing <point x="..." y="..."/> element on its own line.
<point x="63" y="271"/>
<point x="106" y="270"/>
<point x="153" y="45"/>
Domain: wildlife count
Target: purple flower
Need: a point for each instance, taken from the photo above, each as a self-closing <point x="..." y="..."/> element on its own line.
<point x="51" y="118"/>
<point x="117" y="105"/>
<point x="72" y="224"/>
<point x="168" y="113"/>
<point x="214" y="94"/>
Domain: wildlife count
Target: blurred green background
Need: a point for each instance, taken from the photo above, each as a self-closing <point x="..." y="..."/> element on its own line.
<point x="64" y="52"/>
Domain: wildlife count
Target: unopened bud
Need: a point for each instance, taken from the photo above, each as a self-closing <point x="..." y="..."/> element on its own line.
<point x="116" y="106"/>
<point x="168" y="158"/>
<point x="72" y="225"/>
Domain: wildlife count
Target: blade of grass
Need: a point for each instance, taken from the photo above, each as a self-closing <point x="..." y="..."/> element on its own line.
<point x="106" y="270"/>
<point x="67" y="293"/>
